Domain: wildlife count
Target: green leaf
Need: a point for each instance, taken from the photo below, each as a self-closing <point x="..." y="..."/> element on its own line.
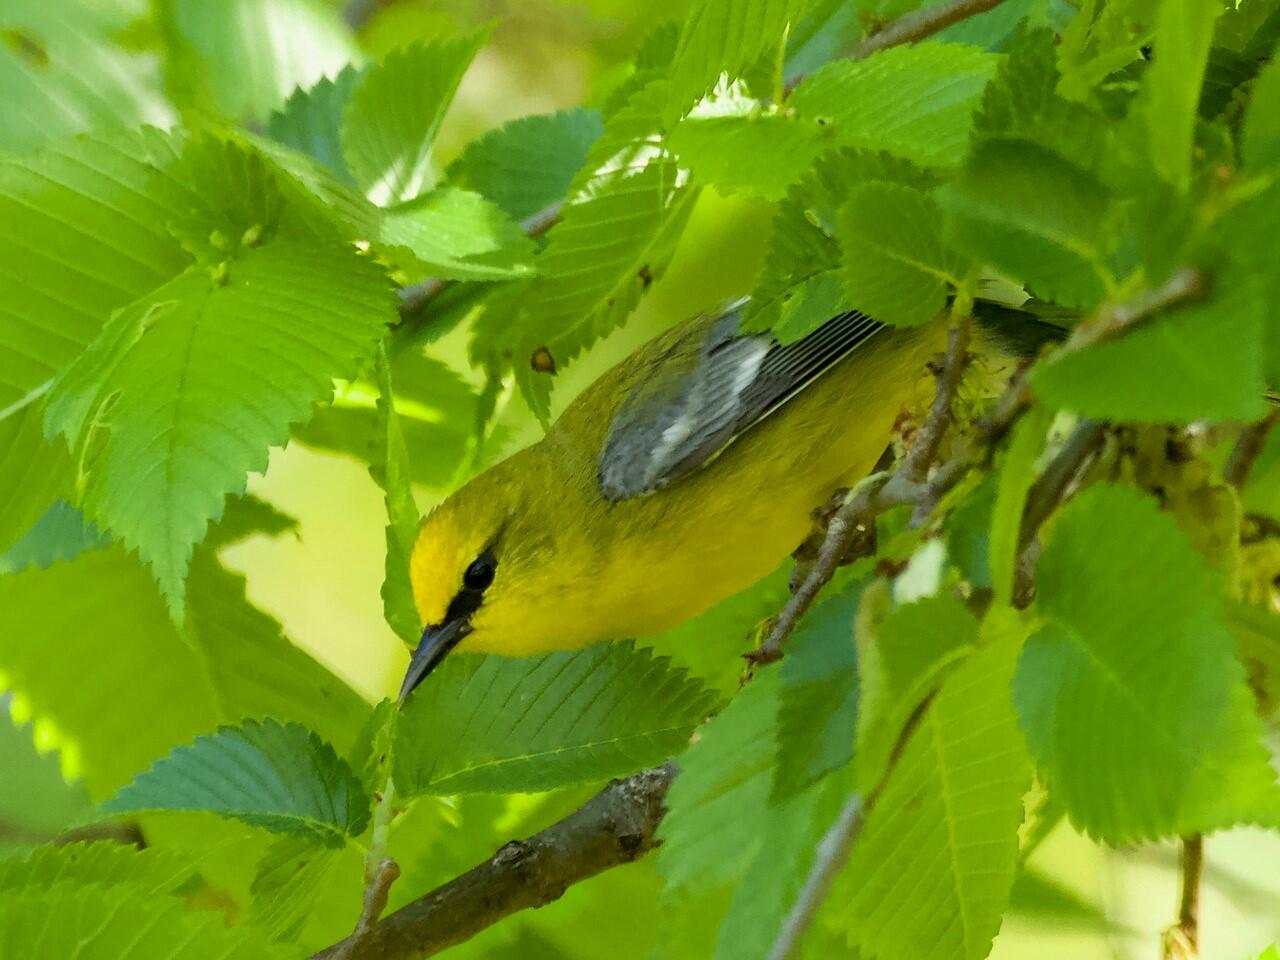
<point x="60" y="534"/>
<point x="150" y="873"/>
<point x="802" y="256"/>
<point x="103" y="601"/>
<point x="904" y="658"/>
<point x="895" y="266"/>
<point x="718" y="806"/>
<point x="244" y="57"/>
<point x="437" y="410"/>
<point x="279" y="776"/>
<point x="725" y="36"/>
<point x="253" y="669"/>
<point x="526" y="165"/>
<point x="774" y="878"/>
<point x="311" y="121"/>
<point x="82" y="233"/>
<point x="1016" y="476"/>
<point x="394" y="112"/>
<point x="930" y="876"/>
<point x="96" y="923"/>
<point x="630" y="204"/>
<point x="185" y="391"/>
<point x="1260" y="146"/>
<point x="810" y="304"/>
<point x="1101" y="40"/>
<point x="36" y="801"/>
<point x="390" y="468"/>
<point x="65" y="72"/>
<point x="1171" y="86"/>
<point x="1032" y="215"/>
<point x="758" y="155"/>
<point x="285" y="885"/>
<point x="1022" y="103"/>
<point x="916" y="101"/>
<point x="455" y="234"/>
<point x="1201" y="361"/>
<point x="1128" y="696"/>
<point x="152" y="688"/>
<point x="33" y="474"/>
<point x="818" y="702"/>
<point x="518" y="725"/>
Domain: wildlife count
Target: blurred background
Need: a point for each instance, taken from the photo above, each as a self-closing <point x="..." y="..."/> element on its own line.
<point x="1076" y="901"/>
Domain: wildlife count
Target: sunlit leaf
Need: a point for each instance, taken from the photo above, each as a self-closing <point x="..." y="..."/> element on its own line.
<point x="393" y="113"/>
<point x="97" y="923"/>
<point x="244" y="57"/>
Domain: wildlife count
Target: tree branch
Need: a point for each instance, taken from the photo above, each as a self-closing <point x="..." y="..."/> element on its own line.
<point x="614" y="827"/>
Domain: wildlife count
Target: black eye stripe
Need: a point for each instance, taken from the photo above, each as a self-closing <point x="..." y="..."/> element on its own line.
<point x="475" y="580"/>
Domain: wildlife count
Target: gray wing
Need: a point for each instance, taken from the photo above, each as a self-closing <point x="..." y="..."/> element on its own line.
<point x="664" y="431"/>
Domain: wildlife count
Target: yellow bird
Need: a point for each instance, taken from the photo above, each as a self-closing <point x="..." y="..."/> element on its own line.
<point x="682" y="475"/>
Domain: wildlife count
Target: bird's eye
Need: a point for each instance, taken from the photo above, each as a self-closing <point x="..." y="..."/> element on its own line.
<point x="479" y="574"/>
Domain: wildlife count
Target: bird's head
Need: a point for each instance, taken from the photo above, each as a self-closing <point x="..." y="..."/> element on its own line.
<point x="484" y="569"/>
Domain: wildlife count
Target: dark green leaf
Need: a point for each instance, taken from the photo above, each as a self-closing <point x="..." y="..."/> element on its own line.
<point x="311" y="121"/>
<point x="529" y="163"/>
<point x="518" y="725"/>
<point x="818" y="701"/>
<point x="278" y="776"/>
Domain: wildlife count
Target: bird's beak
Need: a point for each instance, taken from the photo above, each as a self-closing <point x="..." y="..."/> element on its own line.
<point x="436" y="641"/>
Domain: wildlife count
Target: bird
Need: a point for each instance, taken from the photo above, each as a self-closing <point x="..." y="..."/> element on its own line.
<point x="681" y="476"/>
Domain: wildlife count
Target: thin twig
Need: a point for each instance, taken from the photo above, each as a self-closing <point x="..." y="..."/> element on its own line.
<point x="616" y="826"/>
<point x="1247" y="450"/>
<point x="1046" y="493"/>
<point x="831" y="856"/>
<point x="1182" y="940"/>
<point x="921" y="24"/>
<point x="925" y="444"/>
<point x="856" y="516"/>
<point x="1182" y="286"/>
<point x="836" y="845"/>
